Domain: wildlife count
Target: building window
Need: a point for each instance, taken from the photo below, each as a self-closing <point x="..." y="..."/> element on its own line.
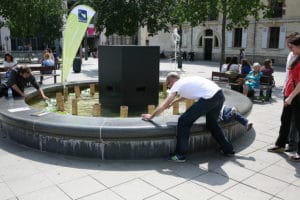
<point x="238" y="35"/>
<point x="274" y="37"/>
<point x="200" y="43"/>
<point x="277" y="8"/>
<point x="216" y="42"/>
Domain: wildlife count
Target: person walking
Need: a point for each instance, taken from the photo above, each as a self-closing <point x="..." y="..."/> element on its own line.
<point x="293" y="136"/>
<point x="210" y="101"/>
<point x="291" y="108"/>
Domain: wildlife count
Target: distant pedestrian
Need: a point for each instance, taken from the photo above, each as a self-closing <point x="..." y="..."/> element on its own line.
<point x="242" y="54"/>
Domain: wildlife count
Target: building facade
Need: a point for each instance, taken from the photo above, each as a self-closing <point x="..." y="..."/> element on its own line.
<point x="261" y="39"/>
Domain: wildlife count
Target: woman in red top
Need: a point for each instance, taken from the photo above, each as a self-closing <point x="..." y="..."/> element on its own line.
<point x="291" y="103"/>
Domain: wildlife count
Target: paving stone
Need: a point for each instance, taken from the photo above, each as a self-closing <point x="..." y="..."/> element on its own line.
<point x="214" y="182"/>
<point x="244" y="192"/>
<point x="190" y="191"/>
<point x="161" y="196"/>
<point x="5" y="192"/>
<point x="81" y="187"/>
<point x="266" y="184"/>
<point x="104" y="195"/>
<point x="28" y="184"/>
<point x="49" y="193"/>
<point x="135" y="190"/>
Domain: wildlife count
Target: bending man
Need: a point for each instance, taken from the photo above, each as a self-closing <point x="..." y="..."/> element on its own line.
<point x="19" y="78"/>
<point x="210" y="101"/>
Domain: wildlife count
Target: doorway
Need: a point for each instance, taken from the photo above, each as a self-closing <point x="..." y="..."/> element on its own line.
<point x="208" y="45"/>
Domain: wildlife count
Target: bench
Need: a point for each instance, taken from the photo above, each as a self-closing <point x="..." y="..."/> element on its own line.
<point x="266" y="85"/>
<point x="219" y="78"/>
<point x="38" y="70"/>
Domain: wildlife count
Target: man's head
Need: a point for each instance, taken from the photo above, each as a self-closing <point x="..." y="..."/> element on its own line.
<point x="25" y="71"/>
<point x="172" y="77"/>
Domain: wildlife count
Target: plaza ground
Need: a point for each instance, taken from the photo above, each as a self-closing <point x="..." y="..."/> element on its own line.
<point x="254" y="173"/>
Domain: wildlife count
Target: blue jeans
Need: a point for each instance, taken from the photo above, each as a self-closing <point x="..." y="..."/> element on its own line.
<point x="211" y="109"/>
<point x="228" y="115"/>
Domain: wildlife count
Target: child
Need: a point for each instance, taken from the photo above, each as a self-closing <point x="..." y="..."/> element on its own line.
<point x="230" y="113"/>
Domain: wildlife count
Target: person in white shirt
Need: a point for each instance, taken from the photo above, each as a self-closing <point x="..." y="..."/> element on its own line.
<point x="233" y="65"/>
<point x="225" y="65"/>
<point x="210" y="101"/>
<point x="9" y="64"/>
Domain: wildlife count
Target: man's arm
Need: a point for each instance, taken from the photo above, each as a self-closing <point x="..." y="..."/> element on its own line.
<point x="295" y="92"/>
<point x="175" y="101"/>
<point x="165" y="104"/>
<point x="42" y="93"/>
<point x="17" y="89"/>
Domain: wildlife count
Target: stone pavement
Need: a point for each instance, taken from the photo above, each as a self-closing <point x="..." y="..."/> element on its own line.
<point x="28" y="174"/>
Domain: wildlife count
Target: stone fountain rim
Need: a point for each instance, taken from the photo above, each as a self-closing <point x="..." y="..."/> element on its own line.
<point x="102" y="128"/>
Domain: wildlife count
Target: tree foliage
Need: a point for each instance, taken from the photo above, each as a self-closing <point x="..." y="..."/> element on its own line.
<point x="28" y="18"/>
<point x="124" y="17"/>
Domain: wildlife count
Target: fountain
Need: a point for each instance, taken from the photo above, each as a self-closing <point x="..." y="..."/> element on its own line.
<point x="106" y="137"/>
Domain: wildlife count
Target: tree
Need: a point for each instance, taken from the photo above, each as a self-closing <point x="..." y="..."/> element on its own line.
<point x="28" y="18"/>
<point x="125" y="17"/>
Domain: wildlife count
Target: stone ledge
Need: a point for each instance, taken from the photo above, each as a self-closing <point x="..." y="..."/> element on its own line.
<point x="108" y="138"/>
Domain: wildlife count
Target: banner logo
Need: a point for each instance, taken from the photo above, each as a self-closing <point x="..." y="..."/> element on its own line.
<point x="82" y="16"/>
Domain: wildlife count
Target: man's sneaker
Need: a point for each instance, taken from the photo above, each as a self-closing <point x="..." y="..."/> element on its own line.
<point x="295" y="158"/>
<point x="176" y="158"/>
<point x="249" y="126"/>
<point x="228" y="154"/>
<point x="276" y="149"/>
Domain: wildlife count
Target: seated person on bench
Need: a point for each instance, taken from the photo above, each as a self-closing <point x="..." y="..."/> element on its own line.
<point x="252" y="80"/>
<point x="47" y="62"/>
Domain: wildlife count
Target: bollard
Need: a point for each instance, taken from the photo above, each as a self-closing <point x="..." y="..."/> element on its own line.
<point x="123" y="111"/>
<point x="59" y="102"/>
<point x="176" y="108"/>
<point x="92" y="89"/>
<point x="151" y="109"/>
<point x="66" y="94"/>
<point x="165" y="89"/>
<point x="188" y="103"/>
<point x="77" y="91"/>
<point x="74" y="107"/>
<point x="96" y="110"/>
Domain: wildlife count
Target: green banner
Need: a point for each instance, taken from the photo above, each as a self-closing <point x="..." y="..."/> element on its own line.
<point x="77" y="23"/>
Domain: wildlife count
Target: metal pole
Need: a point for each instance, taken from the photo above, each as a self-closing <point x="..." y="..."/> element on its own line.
<point x="86" y="47"/>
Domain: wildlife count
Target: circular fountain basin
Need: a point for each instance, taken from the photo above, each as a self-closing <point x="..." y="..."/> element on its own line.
<point x="105" y="137"/>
